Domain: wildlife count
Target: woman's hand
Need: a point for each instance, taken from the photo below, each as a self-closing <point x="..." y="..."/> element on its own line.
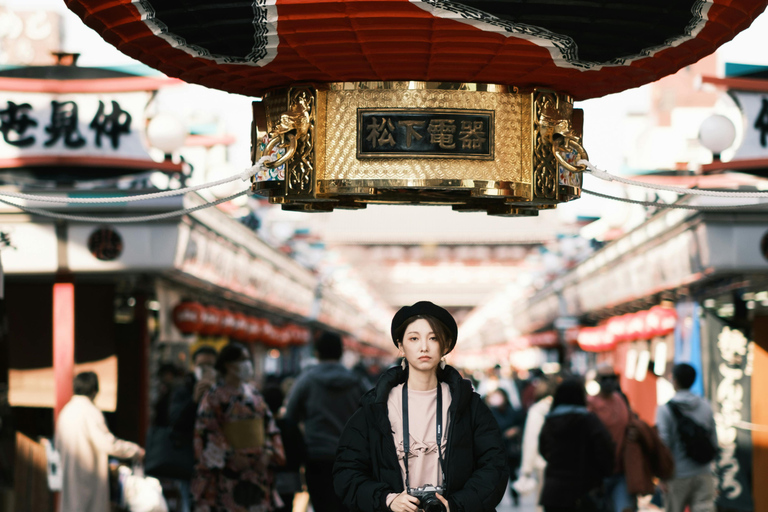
<point x="404" y="502"/>
<point x="444" y="502"/>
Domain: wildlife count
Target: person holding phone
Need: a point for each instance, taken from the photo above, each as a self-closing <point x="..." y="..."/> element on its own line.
<point x="236" y="441"/>
<point x="422" y="438"/>
<point x="183" y="412"/>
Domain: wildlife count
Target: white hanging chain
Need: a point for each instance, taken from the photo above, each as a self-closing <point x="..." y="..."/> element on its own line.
<point x="603" y="175"/>
<point x="122" y="220"/>
<point x="245" y="175"/>
<point x="657" y="204"/>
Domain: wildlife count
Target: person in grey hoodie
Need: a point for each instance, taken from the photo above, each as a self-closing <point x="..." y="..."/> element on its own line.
<point x="323" y="398"/>
<point x="693" y="484"/>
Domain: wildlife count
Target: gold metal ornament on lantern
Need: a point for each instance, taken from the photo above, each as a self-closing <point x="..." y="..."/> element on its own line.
<point x="476" y="147"/>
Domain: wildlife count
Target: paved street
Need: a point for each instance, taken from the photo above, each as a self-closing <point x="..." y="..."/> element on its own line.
<point x="527" y="504"/>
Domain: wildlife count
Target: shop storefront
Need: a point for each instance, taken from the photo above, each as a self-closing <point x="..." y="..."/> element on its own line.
<point x="683" y="287"/>
<point x="101" y="295"/>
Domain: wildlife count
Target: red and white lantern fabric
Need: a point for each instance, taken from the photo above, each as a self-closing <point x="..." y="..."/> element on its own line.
<point x="596" y="339"/>
<point x="227" y="322"/>
<point x="188" y="316"/>
<point x="211" y="321"/>
<point x="240" y="331"/>
<point x="585" y="49"/>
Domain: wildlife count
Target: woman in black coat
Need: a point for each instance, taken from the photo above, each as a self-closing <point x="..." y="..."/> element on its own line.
<point x="578" y="449"/>
<point x="468" y="466"/>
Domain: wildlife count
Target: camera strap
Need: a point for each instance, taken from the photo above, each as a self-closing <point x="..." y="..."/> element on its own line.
<point x="438" y="433"/>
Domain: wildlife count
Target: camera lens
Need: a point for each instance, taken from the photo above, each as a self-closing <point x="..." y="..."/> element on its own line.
<point x="432" y="504"/>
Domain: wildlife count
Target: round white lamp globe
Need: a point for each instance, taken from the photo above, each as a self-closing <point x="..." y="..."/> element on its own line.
<point x="166" y="133"/>
<point x="717" y="133"/>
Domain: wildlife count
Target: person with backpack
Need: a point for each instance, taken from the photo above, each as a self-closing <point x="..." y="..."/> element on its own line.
<point x="687" y="426"/>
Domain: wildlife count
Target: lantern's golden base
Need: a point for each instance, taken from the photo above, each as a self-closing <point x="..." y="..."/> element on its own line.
<point x="476" y="147"/>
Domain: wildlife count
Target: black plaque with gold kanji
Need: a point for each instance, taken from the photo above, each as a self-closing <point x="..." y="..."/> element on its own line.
<point x="432" y="133"/>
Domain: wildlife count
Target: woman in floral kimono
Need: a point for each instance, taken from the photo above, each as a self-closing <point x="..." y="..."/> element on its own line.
<point x="236" y="441"/>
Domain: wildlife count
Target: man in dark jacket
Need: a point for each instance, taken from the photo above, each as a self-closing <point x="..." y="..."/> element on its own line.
<point x="323" y="398"/>
<point x="367" y="469"/>
<point x="183" y="411"/>
<point x="578" y="449"/>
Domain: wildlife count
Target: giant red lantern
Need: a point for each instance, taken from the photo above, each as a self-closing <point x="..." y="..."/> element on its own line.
<point x="454" y="102"/>
<point x="583" y="49"/>
<point x="188" y="316"/>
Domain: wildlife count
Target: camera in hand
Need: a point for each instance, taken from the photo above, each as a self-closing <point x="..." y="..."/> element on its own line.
<point x="428" y="502"/>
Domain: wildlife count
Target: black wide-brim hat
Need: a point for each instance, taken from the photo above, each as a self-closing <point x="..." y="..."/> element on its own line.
<point x="426" y="308"/>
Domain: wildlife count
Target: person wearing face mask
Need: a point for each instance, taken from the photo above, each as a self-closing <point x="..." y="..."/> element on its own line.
<point x="178" y="465"/>
<point x="236" y="441"/>
<point x="422" y="439"/>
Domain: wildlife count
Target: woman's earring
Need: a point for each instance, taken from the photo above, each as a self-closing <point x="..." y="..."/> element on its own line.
<point x="442" y="363"/>
<point x="404" y="363"/>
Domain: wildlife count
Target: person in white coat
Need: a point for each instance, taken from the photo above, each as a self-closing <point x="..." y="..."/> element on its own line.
<point x="84" y="443"/>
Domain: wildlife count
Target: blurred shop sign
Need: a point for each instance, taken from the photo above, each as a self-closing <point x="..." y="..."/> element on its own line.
<point x="142" y="248"/>
<point x="211" y="257"/>
<point x="667" y="265"/>
<point x="50" y="127"/>
<point x="754" y="107"/>
<point x="27" y="37"/>
<point x="35" y="387"/>
<point x="730" y="370"/>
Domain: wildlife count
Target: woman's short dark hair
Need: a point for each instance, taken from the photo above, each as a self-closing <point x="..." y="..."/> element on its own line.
<point x="570" y="392"/>
<point x="229" y="354"/>
<point x="684" y="375"/>
<point x="86" y="384"/>
<point x="205" y="349"/>
<point x="442" y="333"/>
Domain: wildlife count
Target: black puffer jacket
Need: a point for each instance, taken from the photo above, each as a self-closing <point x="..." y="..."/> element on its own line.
<point x="367" y="469"/>
<point x="579" y="453"/>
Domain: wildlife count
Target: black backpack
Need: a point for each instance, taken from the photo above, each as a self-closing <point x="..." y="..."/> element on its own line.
<point x="697" y="440"/>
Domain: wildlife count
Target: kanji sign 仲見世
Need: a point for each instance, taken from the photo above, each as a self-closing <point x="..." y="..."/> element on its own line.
<point x="62" y="124"/>
<point x="58" y="125"/>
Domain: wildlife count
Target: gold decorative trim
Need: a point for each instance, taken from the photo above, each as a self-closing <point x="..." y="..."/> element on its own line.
<point x="327" y="172"/>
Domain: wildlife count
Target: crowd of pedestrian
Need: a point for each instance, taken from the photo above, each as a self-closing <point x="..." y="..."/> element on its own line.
<point x="421" y="436"/>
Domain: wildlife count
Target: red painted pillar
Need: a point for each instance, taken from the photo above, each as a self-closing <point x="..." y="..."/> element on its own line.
<point x="142" y="317"/>
<point x="63" y="344"/>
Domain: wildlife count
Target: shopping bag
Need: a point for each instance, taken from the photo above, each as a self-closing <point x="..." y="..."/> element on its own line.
<point x="141" y="493"/>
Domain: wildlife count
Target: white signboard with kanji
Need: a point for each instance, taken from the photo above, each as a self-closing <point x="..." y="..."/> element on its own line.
<point x="73" y="125"/>
<point x="754" y="106"/>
